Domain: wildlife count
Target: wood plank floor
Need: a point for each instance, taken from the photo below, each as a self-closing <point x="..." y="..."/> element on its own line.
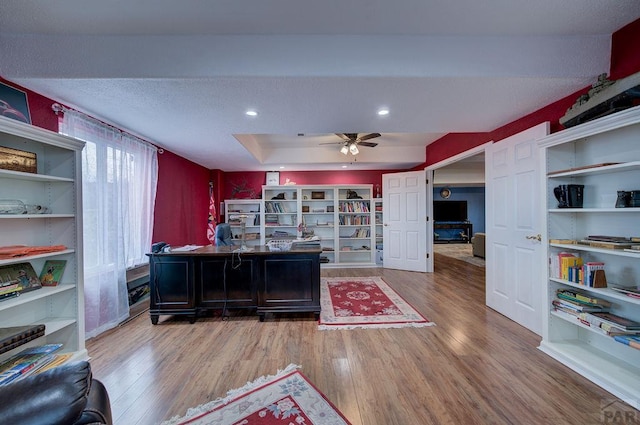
<point x="474" y="367"/>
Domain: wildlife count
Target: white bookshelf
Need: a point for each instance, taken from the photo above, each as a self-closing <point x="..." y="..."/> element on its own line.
<point x="57" y="185"/>
<point x="347" y="238"/>
<point x="573" y="156"/>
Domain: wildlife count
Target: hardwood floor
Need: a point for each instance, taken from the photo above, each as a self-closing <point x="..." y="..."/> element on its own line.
<point x="474" y="367"/>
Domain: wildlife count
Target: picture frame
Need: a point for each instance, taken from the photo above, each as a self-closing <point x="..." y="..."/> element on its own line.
<point x="329" y="208"/>
<point x="317" y="195"/>
<point x="14" y="104"/>
<point x="273" y="178"/>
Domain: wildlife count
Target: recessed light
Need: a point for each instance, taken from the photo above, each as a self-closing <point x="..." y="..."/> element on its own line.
<point x="344" y="166"/>
<point x="383" y="112"/>
<point x="251" y="113"/>
<point x="282" y="167"/>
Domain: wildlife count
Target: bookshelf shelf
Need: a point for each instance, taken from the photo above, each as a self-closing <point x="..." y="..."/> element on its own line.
<point x="607" y="370"/>
<point x="572" y="157"/>
<point x="593" y="210"/>
<point x="586" y="248"/>
<point x="593" y="171"/>
<point x="606" y="292"/>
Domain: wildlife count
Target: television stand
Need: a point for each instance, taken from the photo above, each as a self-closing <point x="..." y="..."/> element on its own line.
<point x="452" y="231"/>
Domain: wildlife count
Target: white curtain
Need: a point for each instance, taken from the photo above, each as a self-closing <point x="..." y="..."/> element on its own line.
<point x="119" y="179"/>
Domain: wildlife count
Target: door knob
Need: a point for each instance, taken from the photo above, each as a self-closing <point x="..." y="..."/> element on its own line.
<point x="537" y="237"/>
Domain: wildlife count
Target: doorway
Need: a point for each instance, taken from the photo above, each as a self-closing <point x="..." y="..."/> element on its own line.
<point x="458" y="208"/>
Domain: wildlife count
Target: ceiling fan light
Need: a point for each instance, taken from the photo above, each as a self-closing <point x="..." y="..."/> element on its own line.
<point x="344" y="149"/>
<point x="353" y="149"/>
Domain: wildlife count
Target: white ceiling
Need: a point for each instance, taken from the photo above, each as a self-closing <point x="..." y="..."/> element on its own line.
<point x="182" y="73"/>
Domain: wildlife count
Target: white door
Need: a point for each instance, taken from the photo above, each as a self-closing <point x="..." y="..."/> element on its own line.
<point x="514" y="252"/>
<point x="405" y="221"/>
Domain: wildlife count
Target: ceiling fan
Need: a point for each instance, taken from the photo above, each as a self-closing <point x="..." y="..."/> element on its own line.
<point x="351" y="141"/>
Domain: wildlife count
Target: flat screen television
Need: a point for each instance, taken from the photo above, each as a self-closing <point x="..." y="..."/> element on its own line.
<point x="450" y="210"/>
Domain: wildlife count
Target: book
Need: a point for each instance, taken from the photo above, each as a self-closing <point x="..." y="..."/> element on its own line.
<point x="566" y="263"/>
<point x="630" y="340"/>
<point x="588" y="272"/>
<point x="563" y="241"/>
<point x="15" y="336"/>
<point x="555" y="268"/>
<point x="631" y="291"/>
<point x="574" y="306"/>
<point x="605" y="244"/>
<point x="58" y="359"/>
<point x="606" y="238"/>
<point x="9" y="295"/>
<point x="27" y="360"/>
<point x="617" y="321"/>
<point x="581" y="298"/>
<point x="21" y="273"/>
<point x="52" y="272"/>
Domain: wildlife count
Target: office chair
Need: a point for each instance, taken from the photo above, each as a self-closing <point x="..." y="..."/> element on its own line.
<point x="224" y="236"/>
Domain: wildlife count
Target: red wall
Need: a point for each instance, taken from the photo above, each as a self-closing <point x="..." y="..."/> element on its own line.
<point x="625" y="60"/>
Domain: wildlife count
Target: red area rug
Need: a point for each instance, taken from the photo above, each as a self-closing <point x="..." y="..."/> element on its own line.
<point x="287" y="398"/>
<point x="364" y="302"/>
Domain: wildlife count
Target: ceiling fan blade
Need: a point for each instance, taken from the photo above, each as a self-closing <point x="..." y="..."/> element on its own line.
<point x="343" y="136"/>
<point x="369" y="136"/>
<point x="368" y="144"/>
<point x="333" y="143"/>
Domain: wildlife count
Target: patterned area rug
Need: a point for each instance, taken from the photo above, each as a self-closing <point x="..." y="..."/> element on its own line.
<point x="287" y="398"/>
<point x="459" y="251"/>
<point x="364" y="302"/>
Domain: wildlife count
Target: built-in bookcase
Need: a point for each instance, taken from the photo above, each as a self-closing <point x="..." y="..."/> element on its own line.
<point x="280" y="217"/>
<point x="603" y="156"/>
<point x="56" y="186"/>
<point x="243" y="215"/>
<point x="344" y="224"/>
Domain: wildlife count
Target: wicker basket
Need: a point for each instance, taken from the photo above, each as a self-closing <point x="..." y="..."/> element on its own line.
<point x="279" y="245"/>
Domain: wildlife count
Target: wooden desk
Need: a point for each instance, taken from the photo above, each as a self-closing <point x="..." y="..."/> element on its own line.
<point x="213" y="278"/>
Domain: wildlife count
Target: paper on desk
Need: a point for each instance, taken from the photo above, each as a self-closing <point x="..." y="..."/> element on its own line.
<point x="186" y="248"/>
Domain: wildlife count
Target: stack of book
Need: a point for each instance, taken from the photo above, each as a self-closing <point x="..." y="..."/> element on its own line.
<point x="27" y="362"/>
<point x="607" y="242"/>
<point x="594" y="313"/>
<point x="9" y="290"/>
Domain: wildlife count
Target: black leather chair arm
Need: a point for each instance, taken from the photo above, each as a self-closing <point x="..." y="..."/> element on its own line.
<point x="66" y="395"/>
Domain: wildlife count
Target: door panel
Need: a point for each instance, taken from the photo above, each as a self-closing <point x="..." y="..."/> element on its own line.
<point x="405" y="227"/>
<point x="513" y="217"/>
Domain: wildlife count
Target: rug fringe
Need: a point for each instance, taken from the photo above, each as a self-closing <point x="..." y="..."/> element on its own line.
<point x="374" y="326"/>
<point x="231" y="394"/>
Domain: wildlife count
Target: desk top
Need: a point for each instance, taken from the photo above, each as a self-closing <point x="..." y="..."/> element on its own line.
<point x="221" y="251"/>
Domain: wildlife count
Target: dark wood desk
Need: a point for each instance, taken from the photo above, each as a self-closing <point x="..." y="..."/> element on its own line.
<point x="214" y="278"/>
